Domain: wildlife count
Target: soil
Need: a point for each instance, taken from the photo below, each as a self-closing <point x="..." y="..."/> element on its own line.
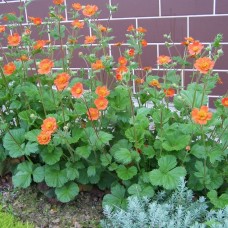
<point x="32" y="206"/>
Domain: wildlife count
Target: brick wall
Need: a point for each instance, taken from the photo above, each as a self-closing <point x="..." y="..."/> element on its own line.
<point x="201" y="19"/>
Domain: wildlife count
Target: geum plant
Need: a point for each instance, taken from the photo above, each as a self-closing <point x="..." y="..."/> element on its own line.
<point x="69" y="128"/>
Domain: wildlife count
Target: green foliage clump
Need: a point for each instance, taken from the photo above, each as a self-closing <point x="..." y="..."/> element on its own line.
<point x="8" y="221"/>
<point x="178" y="210"/>
<point x="110" y="123"/>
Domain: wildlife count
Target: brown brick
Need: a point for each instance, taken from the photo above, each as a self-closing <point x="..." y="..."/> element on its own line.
<point x="206" y="28"/>
<point x="11" y="8"/>
<point x="221" y="7"/>
<point x="221" y="89"/>
<point x="136" y="8"/>
<point x="119" y="28"/>
<point x="160" y="26"/>
<point x="186" y="7"/>
<point x="39" y="8"/>
<point x="39" y="32"/>
<point x="222" y="63"/>
<point x="100" y="3"/>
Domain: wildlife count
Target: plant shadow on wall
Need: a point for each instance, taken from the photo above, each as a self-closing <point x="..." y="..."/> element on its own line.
<point x="67" y="128"/>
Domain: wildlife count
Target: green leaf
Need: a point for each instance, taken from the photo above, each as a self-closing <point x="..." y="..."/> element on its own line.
<point x="123" y="143"/>
<point x="83" y="151"/>
<point x="166" y="163"/>
<point x="161" y="116"/>
<point x="141" y="190"/>
<point x="190" y="96"/>
<point x="135" y="134"/>
<point x="148" y="151"/>
<point x="72" y="170"/>
<point x="106" y="159"/>
<point x="219" y="202"/>
<point x="198" y="151"/>
<point x="13" y="141"/>
<point x="23" y="178"/>
<point x="116" y="198"/>
<point x="32" y="135"/>
<point x="31" y="148"/>
<point x="51" y="157"/>
<point x="100" y="140"/>
<point x="104" y="137"/>
<point x="55" y="177"/>
<point x="167" y="175"/>
<point x="30" y="90"/>
<point x="123" y="156"/>
<point x="91" y="171"/>
<point x="15" y="105"/>
<point x="126" y="173"/>
<point x="26" y="116"/>
<point x="80" y="108"/>
<point x="175" y="140"/>
<point x="38" y="174"/>
<point x="216" y="154"/>
<point x="67" y="192"/>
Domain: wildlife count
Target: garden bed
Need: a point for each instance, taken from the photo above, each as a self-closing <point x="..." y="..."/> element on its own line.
<point x="32" y="206"/>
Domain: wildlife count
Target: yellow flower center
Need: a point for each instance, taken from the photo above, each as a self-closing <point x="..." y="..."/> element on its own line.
<point x="202" y="115"/>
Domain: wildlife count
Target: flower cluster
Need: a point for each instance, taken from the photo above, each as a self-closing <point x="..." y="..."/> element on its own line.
<point x="48" y="127"/>
<point x="115" y="120"/>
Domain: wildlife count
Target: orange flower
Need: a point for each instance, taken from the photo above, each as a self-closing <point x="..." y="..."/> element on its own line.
<point x="131" y="52"/>
<point x="163" y="59"/>
<point x="2" y="28"/>
<point x="144" y="43"/>
<point x="155" y="83"/>
<point x="24" y="58"/>
<point x="201" y="116"/>
<point x="62" y="81"/>
<point x="14" y="40"/>
<point x="147" y="68"/>
<point x="35" y="20"/>
<point x="9" y="68"/>
<point x="78" y="24"/>
<point x="203" y="65"/>
<point x="101" y="103"/>
<point x="45" y="66"/>
<point x="89" y="10"/>
<point x="169" y="92"/>
<point x="122" y="69"/>
<point x="49" y="125"/>
<point x="97" y="65"/>
<point x="187" y="41"/>
<point x="118" y="44"/>
<point x="77" y="6"/>
<point x="102" y="91"/>
<point x="27" y="32"/>
<point x="131" y="28"/>
<point x="102" y="28"/>
<point x="58" y="2"/>
<point x="93" y="114"/>
<point x="77" y="90"/>
<point x="44" y="138"/>
<point x="119" y="77"/>
<point x="122" y="61"/>
<point x="90" y="39"/>
<point x="141" y="29"/>
<point x="225" y="101"/>
<point x="40" y="44"/>
<point x="195" y="48"/>
<point x="139" y="81"/>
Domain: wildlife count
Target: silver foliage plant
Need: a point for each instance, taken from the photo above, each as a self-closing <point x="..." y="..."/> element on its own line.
<point x="179" y="210"/>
